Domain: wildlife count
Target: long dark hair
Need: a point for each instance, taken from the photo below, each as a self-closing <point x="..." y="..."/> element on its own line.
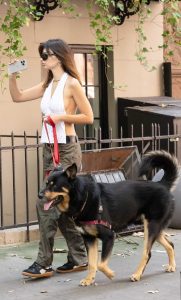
<point x="64" y="53"/>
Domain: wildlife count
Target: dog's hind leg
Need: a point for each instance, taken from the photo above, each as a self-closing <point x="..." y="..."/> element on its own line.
<point x="146" y="254"/>
<point x="107" y="245"/>
<point x="170" y="251"/>
<point x="92" y="249"/>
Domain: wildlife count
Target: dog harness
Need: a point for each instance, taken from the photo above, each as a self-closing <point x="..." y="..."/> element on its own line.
<point x="96" y="222"/>
<point x="93" y="222"/>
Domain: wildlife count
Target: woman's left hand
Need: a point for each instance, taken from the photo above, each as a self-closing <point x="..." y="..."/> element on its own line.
<point x="55" y="119"/>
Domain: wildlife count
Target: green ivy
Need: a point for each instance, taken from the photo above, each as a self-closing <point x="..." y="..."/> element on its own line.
<point x="171" y="33"/>
<point x="18" y="13"/>
<point x="144" y="14"/>
<point x="102" y="19"/>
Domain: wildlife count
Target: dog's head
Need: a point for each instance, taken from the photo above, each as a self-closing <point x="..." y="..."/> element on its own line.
<point x="57" y="188"/>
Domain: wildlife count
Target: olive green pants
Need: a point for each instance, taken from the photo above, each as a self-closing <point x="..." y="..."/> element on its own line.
<point x="50" y="220"/>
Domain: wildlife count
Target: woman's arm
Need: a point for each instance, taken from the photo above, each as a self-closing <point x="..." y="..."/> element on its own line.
<point x="24" y="95"/>
<point x="85" y="115"/>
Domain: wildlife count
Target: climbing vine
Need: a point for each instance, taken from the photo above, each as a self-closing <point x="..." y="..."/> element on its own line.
<point x="18" y="13"/>
<point x="171" y="33"/>
<point x="102" y="15"/>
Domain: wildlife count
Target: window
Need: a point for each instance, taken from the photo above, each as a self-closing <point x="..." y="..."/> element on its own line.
<point x="87" y="65"/>
<point x="93" y="72"/>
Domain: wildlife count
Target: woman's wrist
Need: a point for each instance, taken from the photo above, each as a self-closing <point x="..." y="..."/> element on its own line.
<point x="12" y="76"/>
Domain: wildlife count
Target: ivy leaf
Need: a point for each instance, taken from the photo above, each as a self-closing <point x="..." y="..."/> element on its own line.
<point x="165" y="33"/>
<point x="170" y="53"/>
<point x="120" y="6"/>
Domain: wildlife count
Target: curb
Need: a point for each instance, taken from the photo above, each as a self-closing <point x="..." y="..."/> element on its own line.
<point x="18" y="235"/>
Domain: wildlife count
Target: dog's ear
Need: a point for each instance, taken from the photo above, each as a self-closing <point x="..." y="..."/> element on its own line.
<point x="71" y="171"/>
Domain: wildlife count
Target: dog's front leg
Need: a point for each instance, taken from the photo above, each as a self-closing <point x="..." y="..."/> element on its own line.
<point x="92" y="248"/>
<point x="107" y="245"/>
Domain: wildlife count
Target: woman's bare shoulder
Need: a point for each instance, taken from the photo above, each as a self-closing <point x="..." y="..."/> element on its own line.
<point x="72" y="82"/>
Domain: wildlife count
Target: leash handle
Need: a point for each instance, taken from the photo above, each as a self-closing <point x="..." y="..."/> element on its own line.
<point x="55" y="154"/>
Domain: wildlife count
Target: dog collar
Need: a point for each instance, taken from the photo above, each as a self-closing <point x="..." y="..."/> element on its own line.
<point x="82" y="208"/>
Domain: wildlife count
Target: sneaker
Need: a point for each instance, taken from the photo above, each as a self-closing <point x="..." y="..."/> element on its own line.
<point x="37" y="271"/>
<point x="71" y="267"/>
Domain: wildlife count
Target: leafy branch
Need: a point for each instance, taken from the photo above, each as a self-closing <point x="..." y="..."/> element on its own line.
<point x="144" y="14"/>
<point x="101" y="22"/>
<point x="18" y="14"/>
<point x="171" y="34"/>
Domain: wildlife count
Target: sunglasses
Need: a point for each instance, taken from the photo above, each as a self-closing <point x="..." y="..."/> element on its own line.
<point x="44" y="56"/>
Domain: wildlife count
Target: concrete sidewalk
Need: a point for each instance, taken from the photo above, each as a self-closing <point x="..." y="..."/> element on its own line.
<point x="155" y="284"/>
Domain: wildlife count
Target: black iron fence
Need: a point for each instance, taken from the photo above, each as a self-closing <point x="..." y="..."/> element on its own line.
<point x="21" y="167"/>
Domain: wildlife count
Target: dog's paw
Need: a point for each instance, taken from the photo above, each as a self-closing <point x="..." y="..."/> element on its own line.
<point x="170" y="268"/>
<point x="135" y="277"/>
<point x="87" y="281"/>
<point x="108" y="272"/>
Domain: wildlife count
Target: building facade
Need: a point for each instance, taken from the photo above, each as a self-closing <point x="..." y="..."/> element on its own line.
<point x="128" y="77"/>
<point x="19" y="183"/>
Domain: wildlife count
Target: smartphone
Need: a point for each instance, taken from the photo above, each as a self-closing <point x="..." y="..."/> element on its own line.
<point x="17" y="66"/>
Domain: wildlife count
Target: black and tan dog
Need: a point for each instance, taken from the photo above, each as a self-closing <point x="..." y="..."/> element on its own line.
<point x="102" y="209"/>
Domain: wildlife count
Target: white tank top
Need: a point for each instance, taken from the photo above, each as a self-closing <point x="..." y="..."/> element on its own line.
<point x="54" y="105"/>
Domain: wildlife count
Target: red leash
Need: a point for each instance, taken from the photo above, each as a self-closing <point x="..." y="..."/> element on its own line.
<point x="55" y="154"/>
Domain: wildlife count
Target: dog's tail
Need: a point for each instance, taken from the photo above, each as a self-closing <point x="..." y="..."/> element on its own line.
<point x="160" y="160"/>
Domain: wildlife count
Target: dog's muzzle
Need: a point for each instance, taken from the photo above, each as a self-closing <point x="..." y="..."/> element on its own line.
<point x="54" y="202"/>
<point x="40" y="194"/>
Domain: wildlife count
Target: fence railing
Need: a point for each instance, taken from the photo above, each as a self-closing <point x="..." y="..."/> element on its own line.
<point x="21" y="167"/>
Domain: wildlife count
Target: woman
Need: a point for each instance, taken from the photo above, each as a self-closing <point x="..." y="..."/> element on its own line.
<point x="62" y="95"/>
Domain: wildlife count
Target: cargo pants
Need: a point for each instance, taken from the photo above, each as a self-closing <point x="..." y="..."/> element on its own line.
<point x="50" y="220"/>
